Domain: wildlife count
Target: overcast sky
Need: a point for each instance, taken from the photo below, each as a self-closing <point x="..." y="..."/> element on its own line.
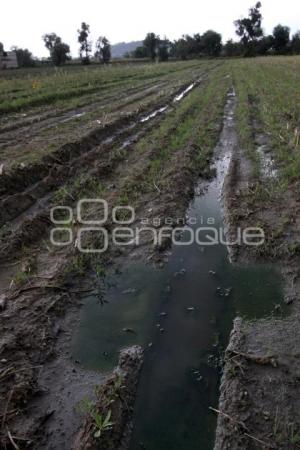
<point x="23" y="22"/>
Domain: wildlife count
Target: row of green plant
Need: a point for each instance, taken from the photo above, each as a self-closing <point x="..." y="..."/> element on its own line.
<point x="270" y="87"/>
<point x="62" y="85"/>
<point x="195" y="123"/>
<point x="117" y="101"/>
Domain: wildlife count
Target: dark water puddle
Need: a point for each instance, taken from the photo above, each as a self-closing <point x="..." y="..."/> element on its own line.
<point x="182" y="314"/>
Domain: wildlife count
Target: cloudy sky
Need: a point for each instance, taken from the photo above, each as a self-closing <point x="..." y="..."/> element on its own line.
<point x="23" y="22"/>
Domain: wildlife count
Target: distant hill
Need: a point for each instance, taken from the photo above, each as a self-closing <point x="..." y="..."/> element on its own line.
<point x="119" y="50"/>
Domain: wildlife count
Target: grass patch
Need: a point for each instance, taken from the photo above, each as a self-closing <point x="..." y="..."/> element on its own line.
<point x="273" y="86"/>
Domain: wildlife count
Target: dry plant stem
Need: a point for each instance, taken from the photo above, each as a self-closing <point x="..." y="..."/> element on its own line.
<point x="243" y="426"/>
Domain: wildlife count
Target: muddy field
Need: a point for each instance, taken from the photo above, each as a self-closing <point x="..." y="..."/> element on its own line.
<point x="148" y="137"/>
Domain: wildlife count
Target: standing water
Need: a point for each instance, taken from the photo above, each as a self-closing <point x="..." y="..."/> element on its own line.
<point x="182" y="314"/>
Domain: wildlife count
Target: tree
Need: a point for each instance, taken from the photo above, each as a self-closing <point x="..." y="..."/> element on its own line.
<point x="59" y="51"/>
<point x="249" y="29"/>
<point x="50" y="39"/>
<point x="1" y="47"/>
<point x="85" y="45"/>
<point x="295" y="43"/>
<point x="197" y="44"/>
<point x="24" y="57"/>
<point x="265" y="45"/>
<point x="186" y="47"/>
<point x="103" y="49"/>
<point x="281" y="39"/>
<point x="163" y="49"/>
<point x="150" y="43"/>
<point x="232" y="48"/>
<point x="211" y="43"/>
<point x="193" y="45"/>
<point x="140" y="52"/>
<point x="181" y="49"/>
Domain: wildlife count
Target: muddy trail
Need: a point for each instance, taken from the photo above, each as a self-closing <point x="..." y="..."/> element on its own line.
<point x="259" y="402"/>
<point x="193" y="299"/>
<point x="169" y="148"/>
<point x="39" y="283"/>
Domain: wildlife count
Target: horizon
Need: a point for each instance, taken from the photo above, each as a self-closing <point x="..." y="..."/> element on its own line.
<point x="65" y="18"/>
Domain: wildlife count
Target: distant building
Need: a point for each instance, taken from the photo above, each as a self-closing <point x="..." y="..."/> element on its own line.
<point x="8" y="60"/>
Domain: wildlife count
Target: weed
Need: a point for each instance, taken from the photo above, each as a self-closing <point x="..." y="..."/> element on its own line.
<point x="79" y="264"/>
<point x="20" y="278"/>
<point x="100" y="271"/>
<point x="101" y="422"/>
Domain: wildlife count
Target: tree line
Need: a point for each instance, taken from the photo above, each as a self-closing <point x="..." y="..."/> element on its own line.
<point x="60" y="52"/>
<point x="252" y="42"/>
<point x="155" y="48"/>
